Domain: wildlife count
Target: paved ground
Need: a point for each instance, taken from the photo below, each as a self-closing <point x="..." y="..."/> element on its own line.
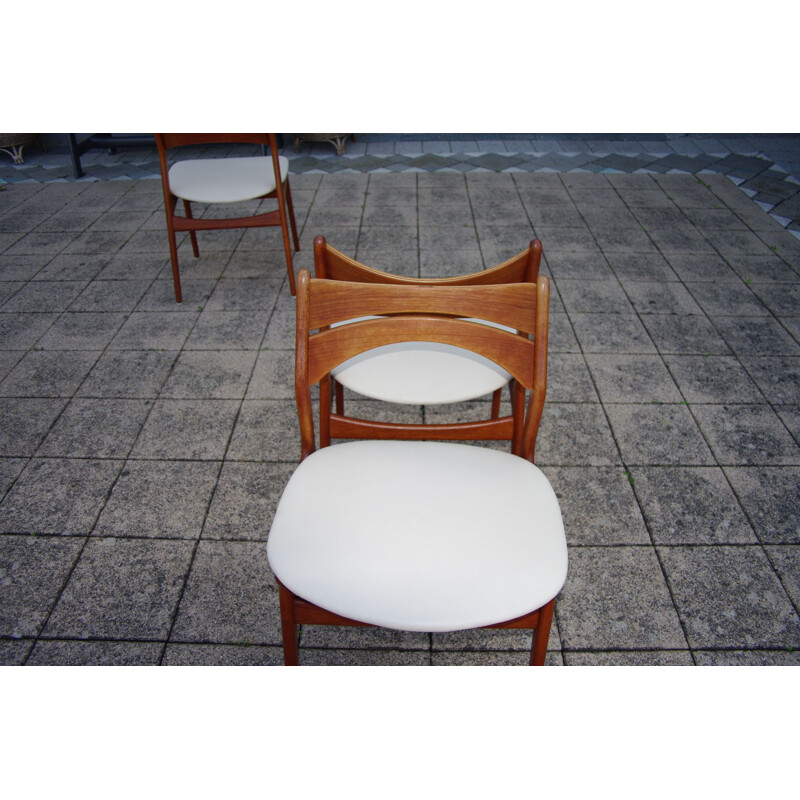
<point x="143" y="445"/>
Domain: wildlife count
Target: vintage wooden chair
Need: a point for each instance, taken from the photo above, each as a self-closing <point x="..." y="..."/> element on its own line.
<point x="406" y="372"/>
<point x="411" y="534"/>
<point x="225" y="180"/>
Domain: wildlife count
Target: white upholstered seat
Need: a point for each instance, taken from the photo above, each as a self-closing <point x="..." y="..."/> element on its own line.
<point x="225" y="180"/>
<point x="420" y="536"/>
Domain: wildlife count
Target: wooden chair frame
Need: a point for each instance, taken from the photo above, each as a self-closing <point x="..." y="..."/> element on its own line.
<point x="282" y="216"/>
<point x="418" y="313"/>
<point x="331" y="264"/>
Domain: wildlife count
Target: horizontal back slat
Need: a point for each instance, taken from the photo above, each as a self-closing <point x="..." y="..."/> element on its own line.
<point x="337" y="266"/>
<point x="331" y="347"/>
<point x="511" y="305"/>
<point x="180" y="139"/>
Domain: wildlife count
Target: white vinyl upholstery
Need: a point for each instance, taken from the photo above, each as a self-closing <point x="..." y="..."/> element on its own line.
<point x="225" y="180"/>
<point x="421" y="373"/>
<point x="419" y="536"/>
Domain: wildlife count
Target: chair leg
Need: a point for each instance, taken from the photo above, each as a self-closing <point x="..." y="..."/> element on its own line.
<point x="291" y="655"/>
<point x="287" y="247"/>
<point x="192" y="235"/>
<point x="290" y="207"/>
<point x="173" y="254"/>
<point x="541" y="636"/>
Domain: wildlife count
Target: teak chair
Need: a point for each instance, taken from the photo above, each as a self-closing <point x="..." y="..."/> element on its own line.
<point x="225" y="180"/>
<point x="418" y="535"/>
<point x="407" y="372"/>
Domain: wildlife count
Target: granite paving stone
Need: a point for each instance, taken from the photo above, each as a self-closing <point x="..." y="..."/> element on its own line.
<point x="199" y="374"/>
<point x="785" y="562"/>
<point x="187" y="429"/>
<point x="569" y="380"/>
<point x="210" y="655"/>
<point x="159" y="499"/>
<point x="58" y="496"/>
<point x="43" y="373"/>
<point x="128" y="374"/>
<point x="598" y="505"/>
<point x="32" y="571"/>
<point x="756" y="270"/>
<point x="343" y="638"/>
<point x="593" y="297"/>
<point x="657" y="434"/>
<point x="730" y="597"/>
<point x="230" y="598"/>
<point x="662" y="297"/>
<point x="122" y="589"/>
<point x="617" y="597"/>
<point x="688" y="334"/>
<point x="110" y="295"/>
<point x="20" y="268"/>
<point x="577" y="266"/>
<point x="24" y="422"/>
<point x="629" y="267"/>
<point x="746" y="434"/>
<point x="154" y="330"/>
<point x="747" y="658"/>
<point x="690" y="505"/>
<point x="266" y="430"/>
<point x="63" y="268"/>
<point x="632" y="378"/>
<point x="82" y="331"/>
<point x="612" y="333"/>
<point x="245" y="499"/>
<point x="713" y="379"/>
<point x="709" y="267"/>
<point x="575" y="434"/>
<point x="96" y="428"/>
<point x="10" y="469"/>
<point x="790" y="415"/>
<point x="273" y="376"/>
<point x="630" y="658"/>
<point x="77" y="653"/>
<point x="161" y="295"/>
<point x="770" y="497"/>
<point x="228" y="330"/>
<point x="14" y="652"/>
<point x="44" y="296"/>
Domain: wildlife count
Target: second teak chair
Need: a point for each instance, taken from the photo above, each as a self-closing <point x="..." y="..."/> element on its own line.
<point x="223" y="180"/>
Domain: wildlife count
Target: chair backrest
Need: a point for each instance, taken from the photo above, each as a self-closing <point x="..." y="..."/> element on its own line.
<point x="421" y="313"/>
<point x="331" y="264"/>
<point x="167" y="141"/>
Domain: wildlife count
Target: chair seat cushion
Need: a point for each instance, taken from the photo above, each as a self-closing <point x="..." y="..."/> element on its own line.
<point x="419" y="536"/>
<point x="224" y="180"/>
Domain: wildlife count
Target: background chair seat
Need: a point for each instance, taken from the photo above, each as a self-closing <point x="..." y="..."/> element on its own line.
<point x="419" y="536"/>
<point x="225" y="180"/>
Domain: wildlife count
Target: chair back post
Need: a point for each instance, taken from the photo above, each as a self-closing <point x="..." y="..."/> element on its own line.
<point x="536" y="402"/>
<point x="320" y="257"/>
<point x="280" y="192"/>
<point x="534" y="260"/>
<point x="302" y="389"/>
